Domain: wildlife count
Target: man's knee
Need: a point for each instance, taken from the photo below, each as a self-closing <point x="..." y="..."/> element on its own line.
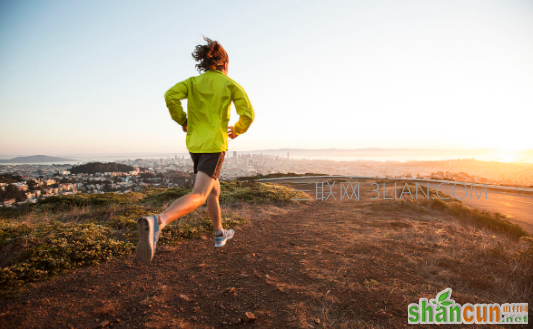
<point x="215" y="191"/>
<point x="214" y="194"/>
<point x="200" y="198"/>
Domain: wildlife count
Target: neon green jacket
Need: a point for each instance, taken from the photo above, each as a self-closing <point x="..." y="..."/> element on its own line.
<point x="209" y="98"/>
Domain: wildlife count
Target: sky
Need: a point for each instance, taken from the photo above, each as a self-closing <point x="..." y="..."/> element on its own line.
<point x="83" y="77"/>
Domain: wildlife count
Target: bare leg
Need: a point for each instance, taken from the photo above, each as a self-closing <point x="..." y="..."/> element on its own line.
<point x="187" y="203"/>
<point x="213" y="206"/>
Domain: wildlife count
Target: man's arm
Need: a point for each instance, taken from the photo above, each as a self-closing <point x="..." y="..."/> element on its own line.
<point x="244" y="109"/>
<point x="172" y="98"/>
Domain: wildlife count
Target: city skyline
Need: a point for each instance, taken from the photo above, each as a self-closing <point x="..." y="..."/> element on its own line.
<point x="372" y="154"/>
<point x="89" y="78"/>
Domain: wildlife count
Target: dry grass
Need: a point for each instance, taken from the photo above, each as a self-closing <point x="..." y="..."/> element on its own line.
<point x="394" y="252"/>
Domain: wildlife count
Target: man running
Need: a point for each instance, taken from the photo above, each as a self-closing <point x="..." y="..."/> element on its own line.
<point x="209" y="98"/>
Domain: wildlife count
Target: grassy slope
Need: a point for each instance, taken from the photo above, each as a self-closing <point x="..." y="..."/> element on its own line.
<point x="62" y="233"/>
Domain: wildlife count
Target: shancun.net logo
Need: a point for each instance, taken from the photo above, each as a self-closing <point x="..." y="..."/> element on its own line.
<point x="444" y="310"/>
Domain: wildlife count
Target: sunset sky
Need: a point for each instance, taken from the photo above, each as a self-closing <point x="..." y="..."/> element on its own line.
<point x="89" y="76"/>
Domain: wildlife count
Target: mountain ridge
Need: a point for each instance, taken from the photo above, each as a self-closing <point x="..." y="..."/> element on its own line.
<point x="35" y="159"/>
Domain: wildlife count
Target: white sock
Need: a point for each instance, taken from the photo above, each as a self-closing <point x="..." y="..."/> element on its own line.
<point x="162" y="218"/>
<point x="219" y="232"/>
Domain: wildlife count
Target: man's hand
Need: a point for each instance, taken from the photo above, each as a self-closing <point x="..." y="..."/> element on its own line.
<point x="231" y="133"/>
<point x="184" y="127"/>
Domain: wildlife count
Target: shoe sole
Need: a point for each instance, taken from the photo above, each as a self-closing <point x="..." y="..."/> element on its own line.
<point x="222" y="244"/>
<point x="144" y="251"/>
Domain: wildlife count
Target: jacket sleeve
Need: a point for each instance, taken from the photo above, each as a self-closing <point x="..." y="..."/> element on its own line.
<point x="172" y="98"/>
<point x="244" y="110"/>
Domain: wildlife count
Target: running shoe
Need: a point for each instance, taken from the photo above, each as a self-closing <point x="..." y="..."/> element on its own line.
<point x="149" y="232"/>
<point x="220" y="240"/>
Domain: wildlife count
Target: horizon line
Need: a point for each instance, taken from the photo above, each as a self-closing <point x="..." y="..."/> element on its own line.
<point x="287" y="149"/>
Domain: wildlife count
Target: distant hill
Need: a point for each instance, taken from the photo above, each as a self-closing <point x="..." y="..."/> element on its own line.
<point x="94" y="167"/>
<point x="35" y="159"/>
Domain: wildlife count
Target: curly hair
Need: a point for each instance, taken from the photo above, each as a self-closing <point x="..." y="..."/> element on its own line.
<point x="210" y="57"/>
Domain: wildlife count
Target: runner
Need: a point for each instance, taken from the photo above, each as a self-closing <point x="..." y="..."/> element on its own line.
<point x="209" y="96"/>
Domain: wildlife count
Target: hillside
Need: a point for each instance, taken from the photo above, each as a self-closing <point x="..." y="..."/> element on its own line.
<point x="94" y="167"/>
<point x="338" y="264"/>
<point x="35" y="159"/>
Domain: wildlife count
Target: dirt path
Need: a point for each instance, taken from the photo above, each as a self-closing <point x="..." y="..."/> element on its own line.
<point x="303" y="269"/>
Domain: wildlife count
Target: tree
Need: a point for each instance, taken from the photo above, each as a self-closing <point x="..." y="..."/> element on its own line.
<point x="31" y="184"/>
<point x="12" y="192"/>
<point x="9" y="178"/>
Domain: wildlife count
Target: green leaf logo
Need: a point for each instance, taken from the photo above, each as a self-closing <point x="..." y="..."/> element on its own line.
<point x="443" y="298"/>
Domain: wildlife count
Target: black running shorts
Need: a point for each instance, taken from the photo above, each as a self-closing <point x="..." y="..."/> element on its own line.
<point x="209" y="163"/>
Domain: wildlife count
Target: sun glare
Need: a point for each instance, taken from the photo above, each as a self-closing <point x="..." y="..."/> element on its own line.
<point x="506" y="158"/>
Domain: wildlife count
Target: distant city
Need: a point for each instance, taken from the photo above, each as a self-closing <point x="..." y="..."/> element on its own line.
<point x="27" y="183"/>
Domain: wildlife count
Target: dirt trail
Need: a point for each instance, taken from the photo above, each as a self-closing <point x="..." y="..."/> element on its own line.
<point x="302" y="269"/>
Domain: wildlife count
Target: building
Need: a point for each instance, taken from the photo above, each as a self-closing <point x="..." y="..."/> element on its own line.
<point x="9" y="202"/>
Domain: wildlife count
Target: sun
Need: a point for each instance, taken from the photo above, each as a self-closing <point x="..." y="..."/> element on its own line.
<point x="507" y="158"/>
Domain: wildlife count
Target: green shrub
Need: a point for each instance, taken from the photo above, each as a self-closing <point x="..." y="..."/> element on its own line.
<point x="265" y="193"/>
<point x="10" y="230"/>
<point x="53" y="248"/>
<point x="62" y="203"/>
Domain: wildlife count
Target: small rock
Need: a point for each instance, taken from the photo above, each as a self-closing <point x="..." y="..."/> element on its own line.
<point x="249" y="317"/>
<point x="184" y="298"/>
<point x="103" y="324"/>
<point x="317" y="321"/>
<point x="232" y="289"/>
